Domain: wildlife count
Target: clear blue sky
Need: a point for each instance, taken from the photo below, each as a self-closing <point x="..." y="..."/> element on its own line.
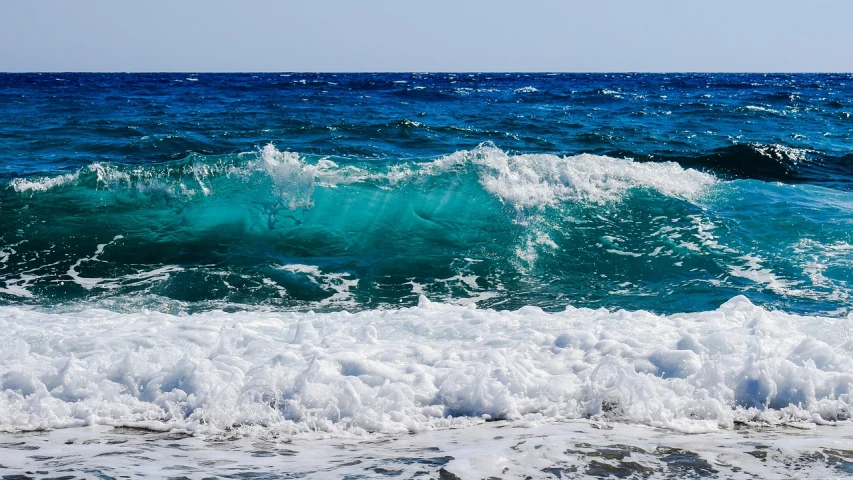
<point x="428" y="35"/>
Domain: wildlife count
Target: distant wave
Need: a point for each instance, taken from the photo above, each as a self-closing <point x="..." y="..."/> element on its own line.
<point x="774" y="163"/>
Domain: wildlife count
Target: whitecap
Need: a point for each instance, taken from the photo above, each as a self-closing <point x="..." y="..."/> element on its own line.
<point x="42" y="184"/>
<point x="527" y="89"/>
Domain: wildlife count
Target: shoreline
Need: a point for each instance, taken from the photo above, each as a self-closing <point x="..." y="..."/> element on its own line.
<point x="502" y="449"/>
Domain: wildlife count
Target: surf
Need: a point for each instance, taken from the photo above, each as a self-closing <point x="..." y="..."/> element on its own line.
<point x="481" y="225"/>
<point x="421" y="368"/>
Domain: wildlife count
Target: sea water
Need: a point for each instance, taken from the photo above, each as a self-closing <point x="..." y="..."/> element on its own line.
<point x="426" y="271"/>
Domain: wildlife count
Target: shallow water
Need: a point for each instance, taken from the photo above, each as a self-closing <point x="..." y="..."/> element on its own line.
<point x="577" y="449"/>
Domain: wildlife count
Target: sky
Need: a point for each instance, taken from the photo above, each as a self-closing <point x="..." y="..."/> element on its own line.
<point x="428" y="35"/>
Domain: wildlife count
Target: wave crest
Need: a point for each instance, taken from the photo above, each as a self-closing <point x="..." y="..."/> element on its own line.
<point x="536" y="180"/>
<point x="523" y="180"/>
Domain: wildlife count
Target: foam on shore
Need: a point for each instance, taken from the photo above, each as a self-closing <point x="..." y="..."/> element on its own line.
<point x="414" y="369"/>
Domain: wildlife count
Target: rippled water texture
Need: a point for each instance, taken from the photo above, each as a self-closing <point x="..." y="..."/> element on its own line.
<point x="665" y="193"/>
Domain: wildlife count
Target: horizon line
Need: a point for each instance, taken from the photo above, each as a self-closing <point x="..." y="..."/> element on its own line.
<point x="433" y="72"/>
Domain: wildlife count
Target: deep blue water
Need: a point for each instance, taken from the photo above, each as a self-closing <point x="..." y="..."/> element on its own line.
<point x="669" y="193"/>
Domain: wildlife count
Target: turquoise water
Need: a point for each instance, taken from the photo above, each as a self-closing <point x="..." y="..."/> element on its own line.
<point x="328" y="192"/>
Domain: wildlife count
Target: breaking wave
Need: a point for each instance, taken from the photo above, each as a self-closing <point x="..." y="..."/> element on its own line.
<point x="414" y="369"/>
<point x="501" y="229"/>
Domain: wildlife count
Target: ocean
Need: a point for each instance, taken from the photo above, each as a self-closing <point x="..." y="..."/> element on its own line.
<point x="242" y="275"/>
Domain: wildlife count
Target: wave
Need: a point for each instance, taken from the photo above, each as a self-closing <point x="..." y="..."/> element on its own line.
<point x="775" y="163"/>
<point x="420" y="368"/>
<point x="483" y="225"/>
<point x="524" y="180"/>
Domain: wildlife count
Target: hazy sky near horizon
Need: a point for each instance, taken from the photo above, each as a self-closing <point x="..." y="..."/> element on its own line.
<point x="435" y="35"/>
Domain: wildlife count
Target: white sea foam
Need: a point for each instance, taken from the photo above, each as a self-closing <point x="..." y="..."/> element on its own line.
<point x="142" y="277"/>
<point x="526" y="90"/>
<point x="41" y="184"/>
<point x="758" y="108"/>
<point x="754" y="271"/>
<point x="420" y="368"/>
<point x="570" y="449"/>
<point x="523" y="181"/>
<point x="536" y="180"/>
<point x="819" y="259"/>
<point x="18" y="286"/>
<point x="779" y="152"/>
<point x="293" y="178"/>
<point x="339" y="283"/>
